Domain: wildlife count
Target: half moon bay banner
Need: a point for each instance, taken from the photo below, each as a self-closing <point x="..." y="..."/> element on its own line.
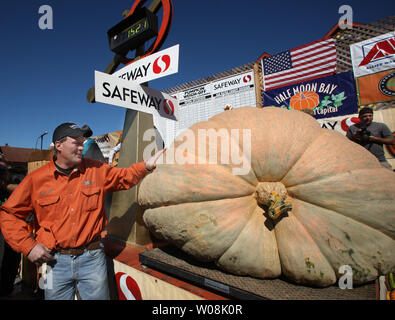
<point x="330" y="96"/>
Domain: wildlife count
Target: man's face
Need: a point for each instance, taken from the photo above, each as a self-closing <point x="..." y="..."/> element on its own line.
<point x="70" y="150"/>
<point x="367" y="118"/>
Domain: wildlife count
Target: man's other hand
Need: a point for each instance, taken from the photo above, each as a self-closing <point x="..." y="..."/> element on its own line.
<point x="39" y="254"/>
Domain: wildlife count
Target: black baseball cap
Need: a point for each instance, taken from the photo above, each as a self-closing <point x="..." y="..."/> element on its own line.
<point x="365" y="110"/>
<point x="68" y="129"/>
<point x="87" y="131"/>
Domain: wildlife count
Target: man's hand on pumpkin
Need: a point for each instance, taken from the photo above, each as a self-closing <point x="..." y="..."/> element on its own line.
<point x="150" y="164"/>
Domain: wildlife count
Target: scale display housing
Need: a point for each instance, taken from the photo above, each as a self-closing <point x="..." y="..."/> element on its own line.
<point x="133" y="31"/>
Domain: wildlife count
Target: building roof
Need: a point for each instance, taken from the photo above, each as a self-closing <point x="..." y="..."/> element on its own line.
<point x="14" y="154"/>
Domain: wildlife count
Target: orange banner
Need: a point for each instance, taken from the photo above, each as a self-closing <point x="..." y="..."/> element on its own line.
<point x="376" y="87"/>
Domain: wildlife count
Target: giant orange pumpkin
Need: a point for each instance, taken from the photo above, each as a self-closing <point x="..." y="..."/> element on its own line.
<point x="304" y="100"/>
<point x="391" y="147"/>
<point x="310" y="202"/>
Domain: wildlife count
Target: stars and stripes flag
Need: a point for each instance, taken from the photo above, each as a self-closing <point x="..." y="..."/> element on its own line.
<point x="314" y="60"/>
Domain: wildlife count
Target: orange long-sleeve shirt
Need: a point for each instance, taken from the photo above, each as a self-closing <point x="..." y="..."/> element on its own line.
<point x="69" y="209"/>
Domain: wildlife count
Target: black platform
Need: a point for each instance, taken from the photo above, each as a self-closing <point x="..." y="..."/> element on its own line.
<point x="172" y="261"/>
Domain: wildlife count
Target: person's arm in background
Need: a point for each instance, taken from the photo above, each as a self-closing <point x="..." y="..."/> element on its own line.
<point x="113" y="151"/>
<point x="386" y="136"/>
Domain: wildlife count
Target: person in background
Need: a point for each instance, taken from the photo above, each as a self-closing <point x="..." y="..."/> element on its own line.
<point x="113" y="156"/>
<point x="91" y="149"/>
<point x="9" y="259"/>
<point x="67" y="198"/>
<point x="371" y="135"/>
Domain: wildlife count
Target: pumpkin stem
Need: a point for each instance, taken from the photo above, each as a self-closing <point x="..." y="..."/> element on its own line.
<point x="273" y="195"/>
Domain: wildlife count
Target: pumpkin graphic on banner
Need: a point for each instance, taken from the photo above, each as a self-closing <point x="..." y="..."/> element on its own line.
<point x="304" y="100"/>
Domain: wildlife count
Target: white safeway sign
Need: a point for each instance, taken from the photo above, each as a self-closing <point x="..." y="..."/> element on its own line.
<point x="157" y="65"/>
<point x="116" y="91"/>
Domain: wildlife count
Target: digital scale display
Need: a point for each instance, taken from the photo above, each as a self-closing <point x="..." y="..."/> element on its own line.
<point x="131" y="32"/>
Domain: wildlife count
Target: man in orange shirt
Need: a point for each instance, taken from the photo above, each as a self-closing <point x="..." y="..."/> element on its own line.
<point x="67" y="196"/>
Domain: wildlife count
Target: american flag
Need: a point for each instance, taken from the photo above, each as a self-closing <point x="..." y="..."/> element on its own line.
<point x="314" y="60"/>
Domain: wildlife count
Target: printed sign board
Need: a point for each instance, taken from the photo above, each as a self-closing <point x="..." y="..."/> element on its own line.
<point x="119" y="92"/>
<point x="376" y="87"/>
<point x="339" y="124"/>
<point x="195" y="105"/>
<point x="149" y="287"/>
<point x="157" y="65"/>
<point x="328" y="97"/>
<point x="205" y="101"/>
<point x="373" y="55"/>
<point x="237" y="91"/>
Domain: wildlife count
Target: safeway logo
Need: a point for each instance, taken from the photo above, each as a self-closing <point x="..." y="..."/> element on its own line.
<point x="348" y="122"/>
<point x="128" y="289"/>
<point x="380" y="50"/>
<point x="247" y="78"/>
<point x="123" y="93"/>
<point x="168" y="107"/>
<point x="154" y="66"/>
<point x="161" y="64"/>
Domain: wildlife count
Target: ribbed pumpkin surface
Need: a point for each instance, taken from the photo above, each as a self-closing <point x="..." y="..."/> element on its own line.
<point x="343" y="202"/>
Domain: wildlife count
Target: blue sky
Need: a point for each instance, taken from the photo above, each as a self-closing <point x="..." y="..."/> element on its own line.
<point x="45" y="74"/>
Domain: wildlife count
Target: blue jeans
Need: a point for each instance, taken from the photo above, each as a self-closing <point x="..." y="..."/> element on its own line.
<point x="87" y="272"/>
